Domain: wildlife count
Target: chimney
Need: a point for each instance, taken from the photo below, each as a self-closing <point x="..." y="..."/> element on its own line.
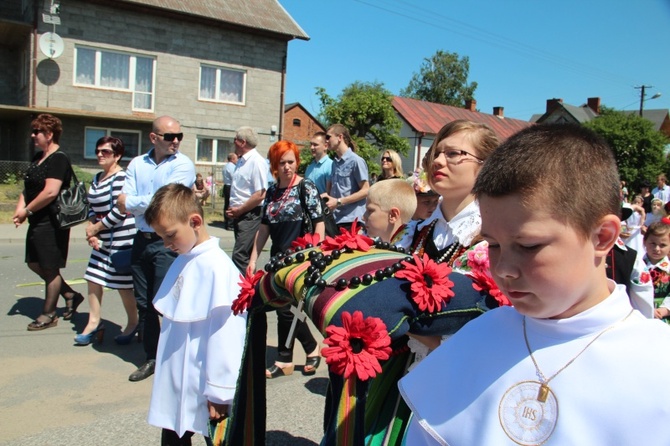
<point x="499" y="112"/>
<point x="471" y="105"/>
<point x="594" y="104"/>
<point x="553" y="104"/>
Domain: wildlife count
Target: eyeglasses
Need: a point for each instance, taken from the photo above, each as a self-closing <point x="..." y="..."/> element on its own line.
<point x="328" y="137"/>
<point x="387" y="158"/>
<point x="35" y="131"/>
<point x="171" y="136"/>
<point x="104" y="152"/>
<point x="457" y="156"/>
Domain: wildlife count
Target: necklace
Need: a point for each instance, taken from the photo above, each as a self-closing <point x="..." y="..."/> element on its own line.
<point x="281" y="201"/>
<point x="451" y="252"/>
<point x="528" y="411"/>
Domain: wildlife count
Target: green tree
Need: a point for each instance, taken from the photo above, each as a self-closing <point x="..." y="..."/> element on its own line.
<point x="639" y="149"/>
<point x="443" y="79"/>
<point x="366" y="109"/>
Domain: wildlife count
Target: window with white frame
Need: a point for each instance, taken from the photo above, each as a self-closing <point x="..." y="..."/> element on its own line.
<point x="222" y="84"/>
<point x="213" y="151"/>
<point x="117" y="71"/>
<point x="131" y="141"/>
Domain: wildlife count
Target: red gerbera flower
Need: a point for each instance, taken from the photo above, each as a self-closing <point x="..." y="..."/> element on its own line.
<point x="247" y="291"/>
<point x="430" y="283"/>
<point x="645" y="277"/>
<point x="483" y="282"/>
<point x="306" y="239"/>
<point x="357" y="346"/>
<point x="348" y="239"/>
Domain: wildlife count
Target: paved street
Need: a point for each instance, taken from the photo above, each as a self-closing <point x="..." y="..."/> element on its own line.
<point x="53" y="393"/>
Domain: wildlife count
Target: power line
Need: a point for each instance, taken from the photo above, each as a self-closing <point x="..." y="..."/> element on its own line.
<point x="487" y="37"/>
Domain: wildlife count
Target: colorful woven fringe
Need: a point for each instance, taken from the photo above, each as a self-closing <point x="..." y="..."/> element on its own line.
<point x="366" y="413"/>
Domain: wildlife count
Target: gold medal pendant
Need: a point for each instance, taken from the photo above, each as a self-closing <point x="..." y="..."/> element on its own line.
<point x="528" y="413"/>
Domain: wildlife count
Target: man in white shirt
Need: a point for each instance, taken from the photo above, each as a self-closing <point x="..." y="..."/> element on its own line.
<point x="228" y="171"/>
<point x="247" y="193"/>
<point x="662" y="190"/>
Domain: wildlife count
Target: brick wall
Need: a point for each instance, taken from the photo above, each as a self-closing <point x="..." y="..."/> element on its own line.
<point x="299" y="126"/>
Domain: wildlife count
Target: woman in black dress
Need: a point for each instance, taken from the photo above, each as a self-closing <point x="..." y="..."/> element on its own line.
<point x="46" y="245"/>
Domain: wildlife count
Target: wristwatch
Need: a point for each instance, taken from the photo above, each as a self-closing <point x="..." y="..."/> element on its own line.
<point x="29" y="213"/>
<point x="339" y="202"/>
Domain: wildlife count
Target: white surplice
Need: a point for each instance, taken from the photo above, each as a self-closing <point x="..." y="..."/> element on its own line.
<point x="613" y="393"/>
<point x="201" y="341"/>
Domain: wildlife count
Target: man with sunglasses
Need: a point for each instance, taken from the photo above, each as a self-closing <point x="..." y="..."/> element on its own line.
<point x="247" y="191"/>
<point x="162" y="165"/>
<point x="348" y="185"/>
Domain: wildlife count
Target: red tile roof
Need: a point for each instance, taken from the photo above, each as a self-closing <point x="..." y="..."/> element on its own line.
<point x="429" y="118"/>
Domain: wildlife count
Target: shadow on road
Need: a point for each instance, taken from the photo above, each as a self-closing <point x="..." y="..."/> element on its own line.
<point x="280" y="438"/>
<point x="318" y="386"/>
<point x="30" y="307"/>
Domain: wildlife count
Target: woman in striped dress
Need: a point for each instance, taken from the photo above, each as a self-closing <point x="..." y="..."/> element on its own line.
<point x="108" y="230"/>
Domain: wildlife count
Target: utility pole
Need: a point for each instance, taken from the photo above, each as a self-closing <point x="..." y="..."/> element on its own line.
<point x="642" y="93"/>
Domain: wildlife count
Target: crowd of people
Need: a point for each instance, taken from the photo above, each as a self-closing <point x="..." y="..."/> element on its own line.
<point x="569" y="270"/>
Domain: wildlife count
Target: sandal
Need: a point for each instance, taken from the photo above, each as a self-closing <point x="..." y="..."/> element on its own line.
<point x="313" y="363"/>
<point x="276" y="372"/>
<point x="72" y="305"/>
<point x="36" y="325"/>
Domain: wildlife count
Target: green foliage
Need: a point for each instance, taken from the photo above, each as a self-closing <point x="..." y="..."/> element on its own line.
<point x="83" y="175"/>
<point x="305" y="158"/>
<point x="366" y="109"/>
<point x="11" y="178"/>
<point x="638" y="148"/>
<point x="443" y="79"/>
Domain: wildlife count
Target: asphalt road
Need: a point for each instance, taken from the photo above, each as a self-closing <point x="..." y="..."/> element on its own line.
<point x="54" y="393"/>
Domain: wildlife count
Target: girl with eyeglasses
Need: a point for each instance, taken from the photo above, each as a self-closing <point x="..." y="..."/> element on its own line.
<point x="452" y="164"/>
<point x="108" y="230"/>
<point x="391" y="166"/>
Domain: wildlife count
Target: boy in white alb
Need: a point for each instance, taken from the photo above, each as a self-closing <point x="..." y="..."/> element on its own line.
<point x="572" y="363"/>
<point x="201" y="341"/>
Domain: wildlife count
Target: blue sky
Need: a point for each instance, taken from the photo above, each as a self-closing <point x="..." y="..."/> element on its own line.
<point x="522" y="52"/>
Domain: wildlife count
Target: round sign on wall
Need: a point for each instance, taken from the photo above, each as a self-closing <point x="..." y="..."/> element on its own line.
<point x="51" y="45"/>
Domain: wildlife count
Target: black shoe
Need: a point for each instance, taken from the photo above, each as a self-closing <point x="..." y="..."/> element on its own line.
<point x="145" y="371"/>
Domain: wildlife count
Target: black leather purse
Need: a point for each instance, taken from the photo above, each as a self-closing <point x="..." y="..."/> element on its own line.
<point x="71" y="206"/>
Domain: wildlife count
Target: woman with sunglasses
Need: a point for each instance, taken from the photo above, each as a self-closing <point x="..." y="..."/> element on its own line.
<point x="47" y="245"/>
<point x="108" y="230"/>
<point x="391" y="166"/>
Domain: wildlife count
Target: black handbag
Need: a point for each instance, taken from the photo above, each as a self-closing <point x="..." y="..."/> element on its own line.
<point x="328" y="219"/>
<point x="332" y="230"/>
<point x="71" y="206"/>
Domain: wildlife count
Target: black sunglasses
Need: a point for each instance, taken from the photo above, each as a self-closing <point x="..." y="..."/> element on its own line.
<point x="35" y="131"/>
<point x="387" y="158"/>
<point x="328" y="137"/>
<point x="105" y="152"/>
<point x="171" y="136"/>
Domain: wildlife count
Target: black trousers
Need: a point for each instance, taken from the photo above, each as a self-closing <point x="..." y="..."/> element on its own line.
<point x="226" y="205"/>
<point x="302" y="333"/>
<point x="245" y="227"/>
<point x="150" y="263"/>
